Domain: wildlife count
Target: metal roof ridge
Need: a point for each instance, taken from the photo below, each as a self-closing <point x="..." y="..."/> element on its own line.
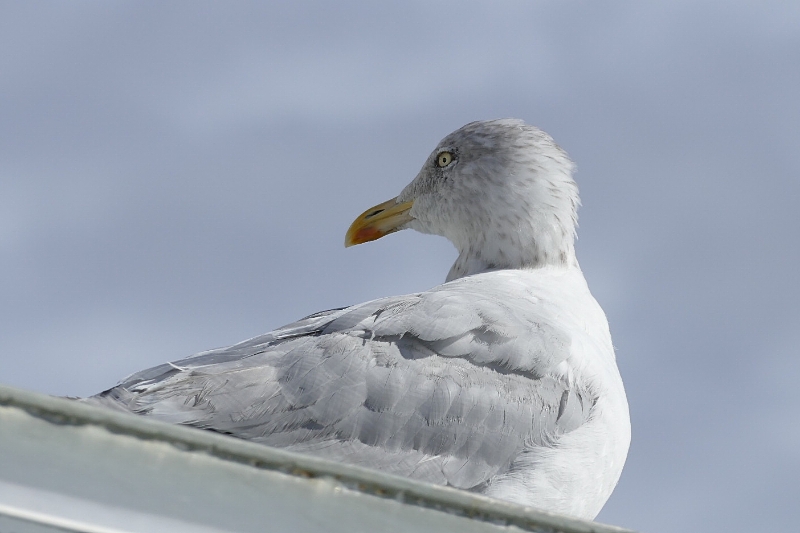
<point x="64" y="411"/>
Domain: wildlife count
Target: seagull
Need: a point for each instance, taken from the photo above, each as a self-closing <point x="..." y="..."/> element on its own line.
<point x="501" y="381"/>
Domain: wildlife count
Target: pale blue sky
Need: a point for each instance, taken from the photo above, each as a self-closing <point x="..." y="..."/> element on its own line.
<point x="179" y="176"/>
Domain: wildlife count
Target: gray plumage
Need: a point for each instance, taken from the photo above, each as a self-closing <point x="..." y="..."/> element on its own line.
<point x="500" y="381"/>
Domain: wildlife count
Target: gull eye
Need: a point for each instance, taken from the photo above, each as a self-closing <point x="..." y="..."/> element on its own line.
<point x="444" y="159"/>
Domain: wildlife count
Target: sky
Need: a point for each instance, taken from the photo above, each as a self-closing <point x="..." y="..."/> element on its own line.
<point x="179" y="176"/>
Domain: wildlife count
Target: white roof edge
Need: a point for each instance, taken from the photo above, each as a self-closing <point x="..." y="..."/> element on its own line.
<point x="60" y="411"/>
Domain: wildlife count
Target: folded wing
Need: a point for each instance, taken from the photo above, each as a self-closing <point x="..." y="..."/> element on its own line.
<point x="447" y="386"/>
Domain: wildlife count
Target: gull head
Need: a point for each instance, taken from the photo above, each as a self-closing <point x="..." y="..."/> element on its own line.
<point x="500" y="190"/>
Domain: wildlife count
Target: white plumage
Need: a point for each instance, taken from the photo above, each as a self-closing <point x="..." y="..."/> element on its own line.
<point x="502" y="381"/>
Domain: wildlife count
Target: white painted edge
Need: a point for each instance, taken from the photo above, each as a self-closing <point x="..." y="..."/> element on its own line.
<point x="371" y="482"/>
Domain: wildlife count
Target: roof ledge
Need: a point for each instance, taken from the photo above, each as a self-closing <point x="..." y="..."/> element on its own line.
<point x="67" y="466"/>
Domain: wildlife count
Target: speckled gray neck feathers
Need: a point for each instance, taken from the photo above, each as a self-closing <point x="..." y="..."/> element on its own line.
<point x="506" y="201"/>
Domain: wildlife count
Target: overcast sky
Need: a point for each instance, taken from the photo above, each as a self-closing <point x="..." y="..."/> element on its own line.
<point x="179" y="176"/>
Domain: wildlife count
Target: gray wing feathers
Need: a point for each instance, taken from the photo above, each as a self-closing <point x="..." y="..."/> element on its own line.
<point x="446" y="386"/>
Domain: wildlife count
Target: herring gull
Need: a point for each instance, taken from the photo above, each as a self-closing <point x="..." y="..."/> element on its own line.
<point x="501" y="381"/>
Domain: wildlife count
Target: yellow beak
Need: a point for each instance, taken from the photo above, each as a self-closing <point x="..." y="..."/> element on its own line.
<point x="378" y="221"/>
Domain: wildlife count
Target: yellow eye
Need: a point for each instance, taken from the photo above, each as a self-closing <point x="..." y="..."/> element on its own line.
<point x="444" y="159"/>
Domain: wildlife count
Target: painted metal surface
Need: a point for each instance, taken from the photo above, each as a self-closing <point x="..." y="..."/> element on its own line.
<point x="65" y="466"/>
